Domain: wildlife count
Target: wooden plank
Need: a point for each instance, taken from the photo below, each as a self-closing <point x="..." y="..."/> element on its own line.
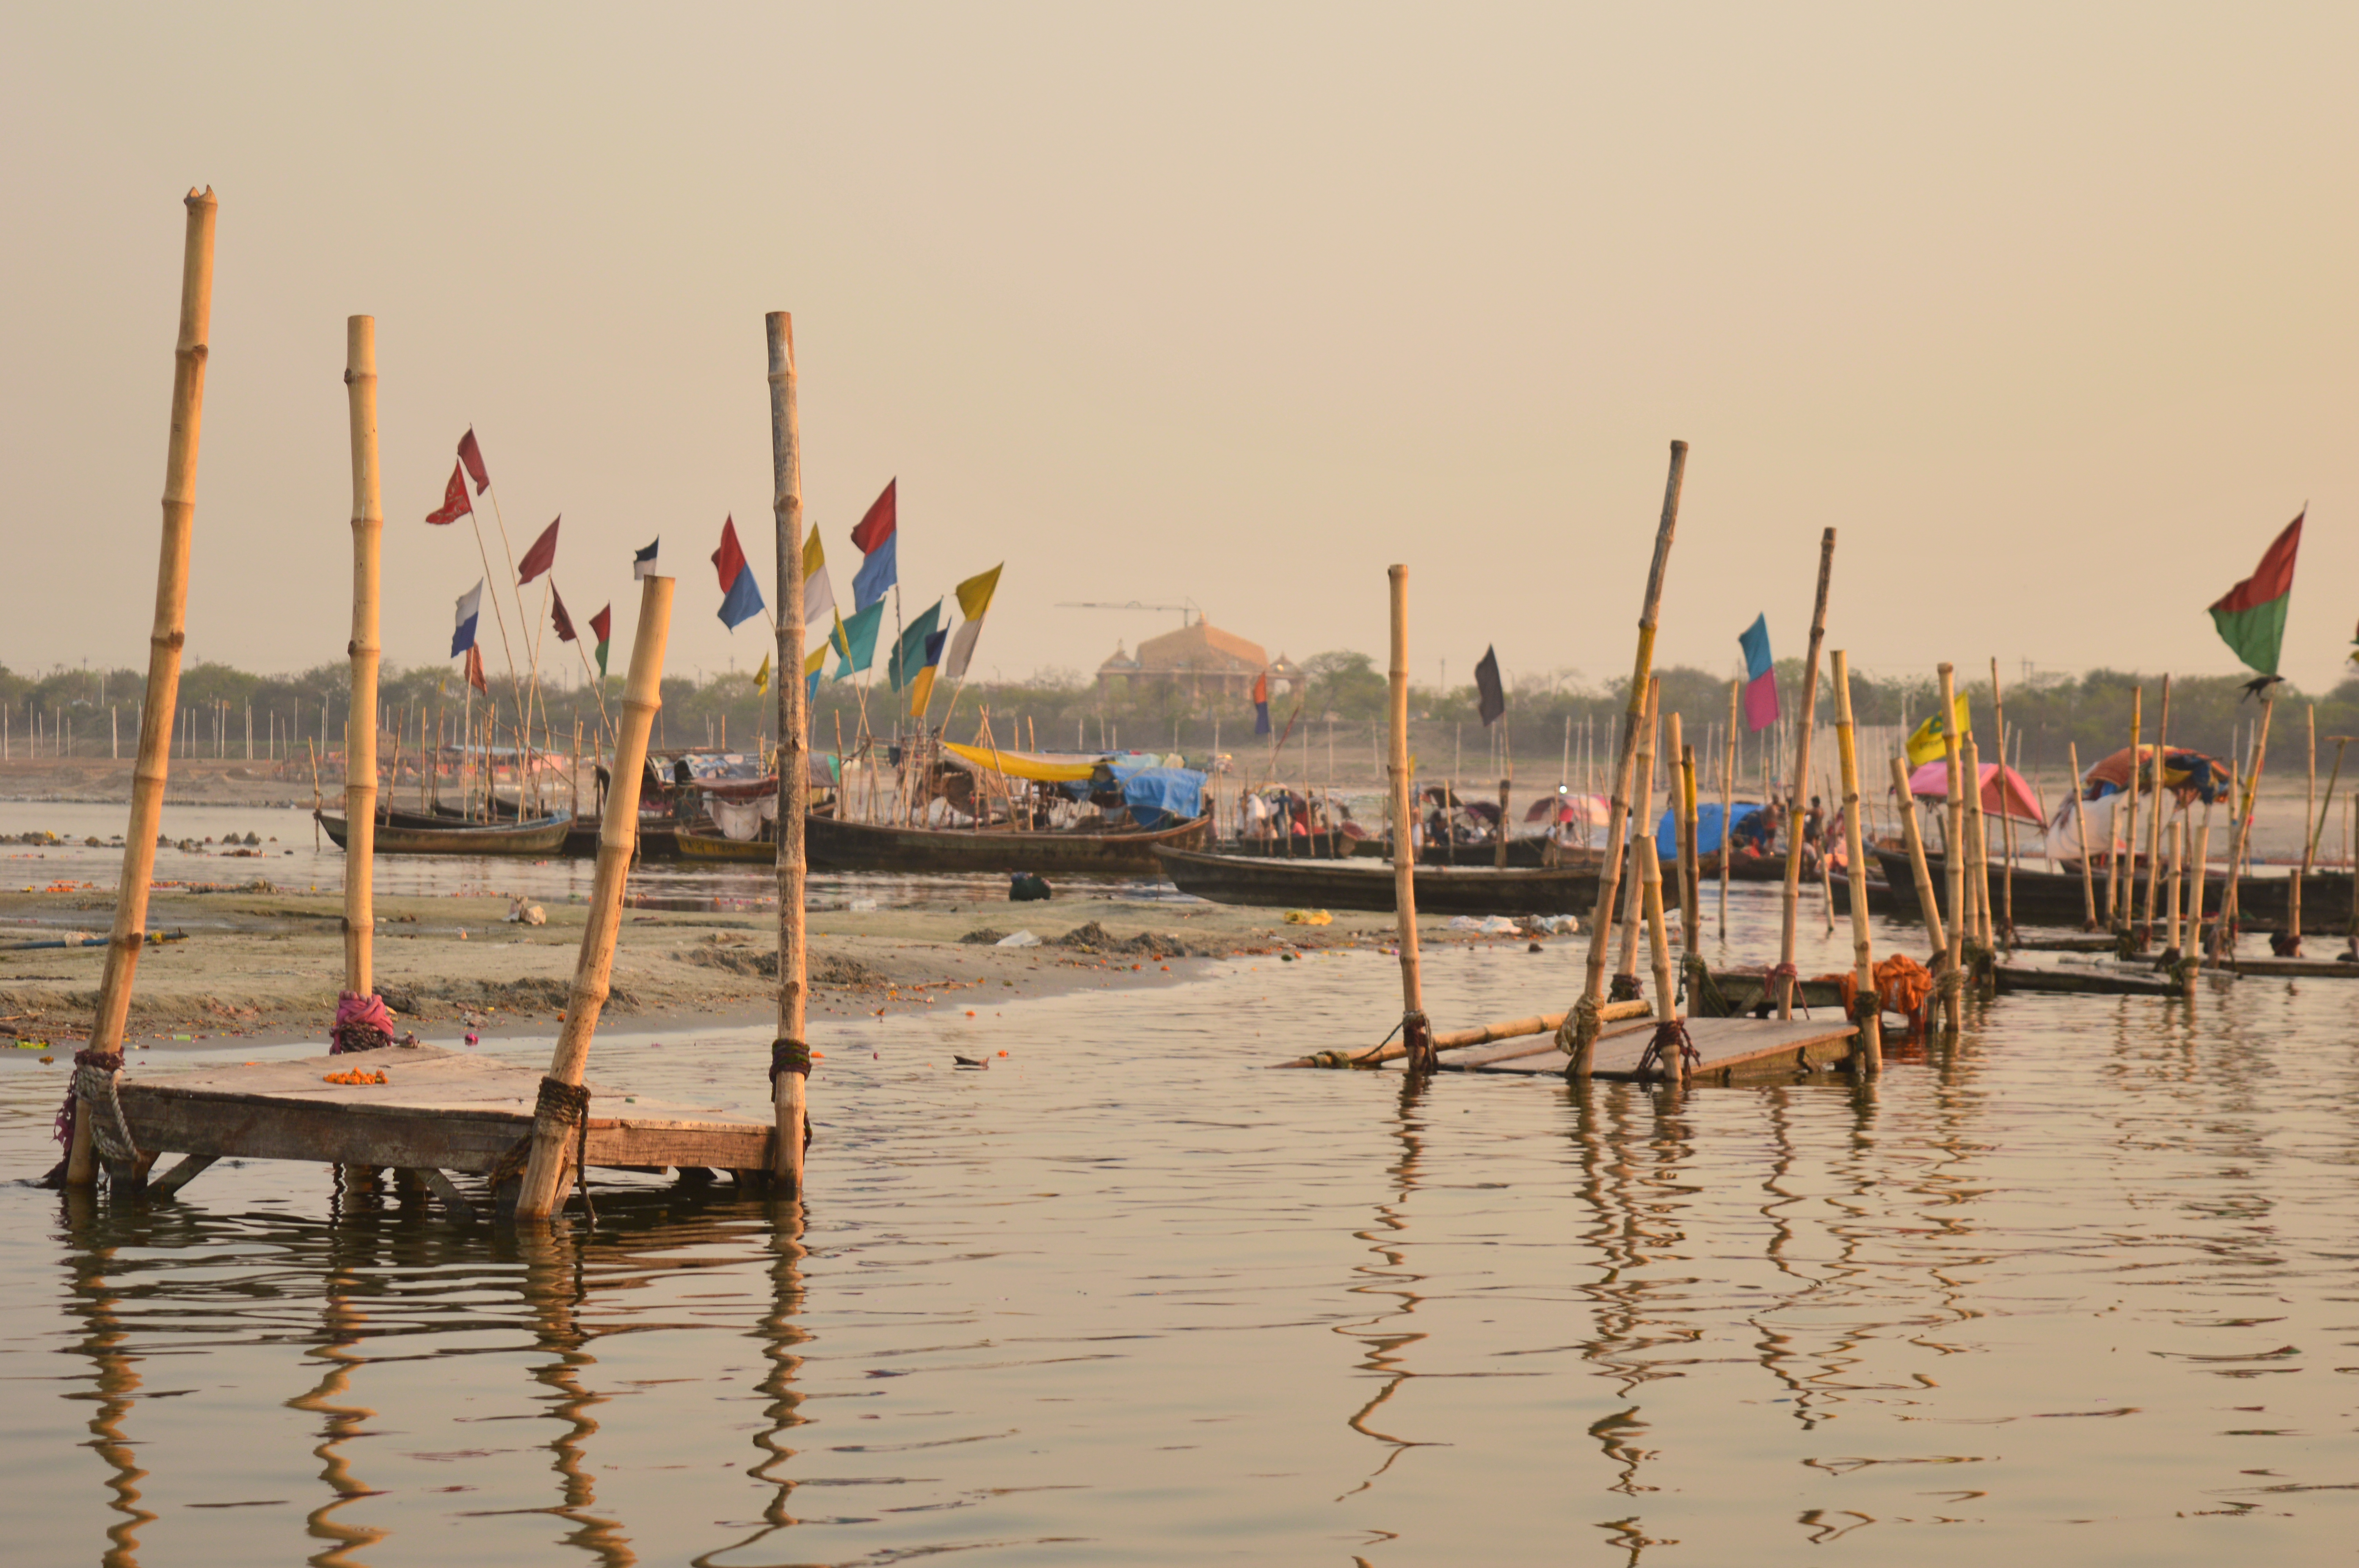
<point x="454" y="1202"/>
<point x="179" y="1175"/>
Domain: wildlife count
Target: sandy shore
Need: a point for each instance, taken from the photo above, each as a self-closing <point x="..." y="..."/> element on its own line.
<point x="267" y="966"/>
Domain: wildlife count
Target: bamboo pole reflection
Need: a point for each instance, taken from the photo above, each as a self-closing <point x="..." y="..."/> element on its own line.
<point x="1392" y="1278"/>
<point x="781" y="1332"/>
<point x="350" y="1241"/>
<point x="1604" y="1134"/>
<point x="555" y="1287"/>
<point x="118" y="1382"/>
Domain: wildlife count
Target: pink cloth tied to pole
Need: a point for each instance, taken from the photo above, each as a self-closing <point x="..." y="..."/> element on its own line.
<point x="357" y="1012"/>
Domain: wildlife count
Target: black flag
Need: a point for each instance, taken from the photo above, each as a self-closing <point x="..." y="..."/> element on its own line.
<point x="1492" y="698"/>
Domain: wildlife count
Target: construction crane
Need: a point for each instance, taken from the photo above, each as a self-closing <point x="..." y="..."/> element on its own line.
<point x="1183" y="609"/>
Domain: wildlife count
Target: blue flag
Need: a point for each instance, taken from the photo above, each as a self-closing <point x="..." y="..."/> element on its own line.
<point x="877" y="572"/>
<point x="471" y="608"/>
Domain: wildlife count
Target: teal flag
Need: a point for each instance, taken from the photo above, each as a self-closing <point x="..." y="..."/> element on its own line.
<point x="909" y="653"/>
<point x="854" y="639"/>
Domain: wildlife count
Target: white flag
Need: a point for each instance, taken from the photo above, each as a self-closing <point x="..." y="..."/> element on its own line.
<point x="954" y="663"/>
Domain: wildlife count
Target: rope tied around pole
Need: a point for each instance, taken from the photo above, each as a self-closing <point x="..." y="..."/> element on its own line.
<point x="565" y="1104"/>
<point x="1670" y="1042"/>
<point x="362" y="1023"/>
<point x="1789" y="975"/>
<point x="94" y="1077"/>
<point x="1624" y="988"/>
<point x="2286" y="943"/>
<point x="1581" y="1027"/>
<point x="788" y="1055"/>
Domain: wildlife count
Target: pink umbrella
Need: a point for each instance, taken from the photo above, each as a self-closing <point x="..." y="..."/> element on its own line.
<point x="2015" y="797"/>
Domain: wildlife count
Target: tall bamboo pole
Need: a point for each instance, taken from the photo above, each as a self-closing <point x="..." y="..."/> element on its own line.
<point x="1577" y="1036"/>
<point x="548" y="1172"/>
<point x="1414" y="1030"/>
<point x="164" y="644"/>
<point x="790" y="1056"/>
<point x="1870" y="1013"/>
<point x="1927" y="902"/>
<point x="2154" y="814"/>
<point x="2242" y="839"/>
<point x="1787" y="980"/>
<point x="360" y="723"/>
<point x="1953" y="858"/>
<point x="1728" y="801"/>
<point x="1642" y="824"/>
<point x="2081" y="821"/>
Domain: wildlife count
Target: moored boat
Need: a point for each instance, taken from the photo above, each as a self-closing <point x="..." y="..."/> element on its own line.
<point x="1367" y="885"/>
<point x="837" y="845"/>
<point x="543" y="837"/>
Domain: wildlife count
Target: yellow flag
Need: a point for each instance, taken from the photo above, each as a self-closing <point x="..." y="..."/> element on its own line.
<point x="814" y="555"/>
<point x="922" y="690"/>
<point x="1928" y="745"/>
<point x="762" y="675"/>
<point x="975" y="593"/>
<point x="814" y="659"/>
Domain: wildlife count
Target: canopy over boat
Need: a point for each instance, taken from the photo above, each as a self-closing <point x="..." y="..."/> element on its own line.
<point x="1667" y="828"/>
<point x="2190" y="775"/>
<point x="2014" y="797"/>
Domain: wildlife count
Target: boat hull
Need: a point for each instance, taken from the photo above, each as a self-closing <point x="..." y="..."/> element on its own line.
<point x="1358" y="885"/>
<point x="540" y="839"/>
<point x="2055" y="898"/>
<point x="840" y="845"/>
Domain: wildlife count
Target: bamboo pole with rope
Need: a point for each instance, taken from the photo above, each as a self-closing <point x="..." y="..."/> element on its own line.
<point x="1953" y="858"/>
<point x="1785" y="973"/>
<point x="1577" y="1036"/>
<point x="791" y="1054"/>
<point x="1867" y="1009"/>
<point x="561" y="1118"/>
<point x="98" y="1067"/>
<point x="1416" y="1032"/>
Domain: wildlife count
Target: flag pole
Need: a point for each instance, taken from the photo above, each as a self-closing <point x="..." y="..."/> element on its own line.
<point x="791" y="1054"/>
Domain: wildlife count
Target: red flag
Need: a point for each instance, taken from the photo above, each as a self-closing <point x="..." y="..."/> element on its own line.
<point x="729" y="558"/>
<point x="603" y="623"/>
<point x="884" y="517"/>
<point x="471" y="455"/>
<point x="541" y="556"/>
<point x="557" y="616"/>
<point x="456" y="503"/>
<point x="476" y="669"/>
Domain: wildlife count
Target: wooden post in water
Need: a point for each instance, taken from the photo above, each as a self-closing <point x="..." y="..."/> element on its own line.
<point x="2154" y="814"/>
<point x="790" y="1053"/>
<point x="1728" y="800"/>
<point x="1415" y="1035"/>
<point x="360" y="723"/>
<point x="1927" y="901"/>
<point x="105" y="1052"/>
<point x="2171" y="935"/>
<point x="563" y="1108"/>
<point x="1659" y="948"/>
<point x="1577" y="1036"/>
<point x="1787" y="980"/>
<point x="1953" y="859"/>
<point x="1868" y="1011"/>
<point x="2081" y="821"/>
<point x="2222" y="942"/>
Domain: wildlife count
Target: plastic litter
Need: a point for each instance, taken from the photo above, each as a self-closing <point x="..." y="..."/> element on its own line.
<point x="1021" y="939"/>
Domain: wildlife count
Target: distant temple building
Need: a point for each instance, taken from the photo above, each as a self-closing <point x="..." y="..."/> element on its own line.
<point x="1203" y="660"/>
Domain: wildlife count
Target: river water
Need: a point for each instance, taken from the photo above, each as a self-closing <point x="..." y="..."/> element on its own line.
<point x="2079" y="1287"/>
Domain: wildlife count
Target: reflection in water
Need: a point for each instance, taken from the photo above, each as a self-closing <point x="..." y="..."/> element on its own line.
<point x="781" y="1332"/>
<point x="556" y="1288"/>
<point x="351" y="1246"/>
<point x="116" y="1386"/>
<point x="1394" y="1279"/>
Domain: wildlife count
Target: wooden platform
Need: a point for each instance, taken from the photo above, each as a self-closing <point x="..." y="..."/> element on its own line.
<point x="441" y="1111"/>
<point x="1733" y="1050"/>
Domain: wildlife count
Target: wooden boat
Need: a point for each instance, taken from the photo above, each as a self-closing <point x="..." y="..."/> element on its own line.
<point x="541" y="838"/>
<point x="837" y="845"/>
<point x="717" y="847"/>
<point x="1365" y="884"/>
<point x="2055" y="898"/>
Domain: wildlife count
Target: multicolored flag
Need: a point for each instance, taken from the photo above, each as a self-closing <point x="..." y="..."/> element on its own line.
<point x="818" y="593"/>
<point x="855" y="638"/>
<point x="643" y="562"/>
<point x="921" y="691"/>
<point x="471" y="458"/>
<point x="1490" y="696"/>
<point x="1760" y="675"/>
<point x="541" y="556"/>
<point x="908" y="655"/>
<point x="557" y="616"/>
<point x="875" y="539"/>
<point x="741" y="596"/>
<point x="603" y="625"/>
<point x="456" y="503"/>
<point x="1261" y="703"/>
<point x="2252" y="615"/>
<point x="1928" y="743"/>
<point x="974" y="598"/>
<point x="471" y="610"/>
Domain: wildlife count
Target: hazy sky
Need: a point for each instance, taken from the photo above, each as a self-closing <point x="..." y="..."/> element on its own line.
<point x="2053" y="311"/>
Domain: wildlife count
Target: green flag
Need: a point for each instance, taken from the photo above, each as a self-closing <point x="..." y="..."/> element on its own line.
<point x="855" y="639"/>
<point x="909" y="653"/>
<point x="2252" y="616"/>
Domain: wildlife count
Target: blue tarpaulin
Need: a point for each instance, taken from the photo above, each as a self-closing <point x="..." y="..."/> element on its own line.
<point x="1667" y="831"/>
<point x="1162" y="797"/>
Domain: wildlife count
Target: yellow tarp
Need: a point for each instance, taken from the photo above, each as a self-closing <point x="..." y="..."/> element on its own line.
<point x="1022" y="764"/>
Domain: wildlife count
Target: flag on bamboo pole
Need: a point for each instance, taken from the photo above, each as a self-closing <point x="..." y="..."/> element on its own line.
<point x="1928" y="741"/>
<point x="456" y="503"/>
<point x="1261" y="703"/>
<point x="2252" y="615"/>
<point x="741" y="596"/>
<point x="643" y="562"/>
<point x="762" y="675"/>
<point x="476" y="670"/>
<point x="557" y="616"/>
<point x="818" y="593"/>
<point x="471" y="457"/>
<point x="541" y="556"/>
<point x="1490" y="696"/>
<point x="974" y="598"/>
<point x="471" y="610"/>
<point x="876" y="539"/>
<point x="855" y="638"/>
<point x="921" y="691"/>
<point x="603" y="623"/>
<point x="1760" y="675"/>
<point x="908" y="655"/>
